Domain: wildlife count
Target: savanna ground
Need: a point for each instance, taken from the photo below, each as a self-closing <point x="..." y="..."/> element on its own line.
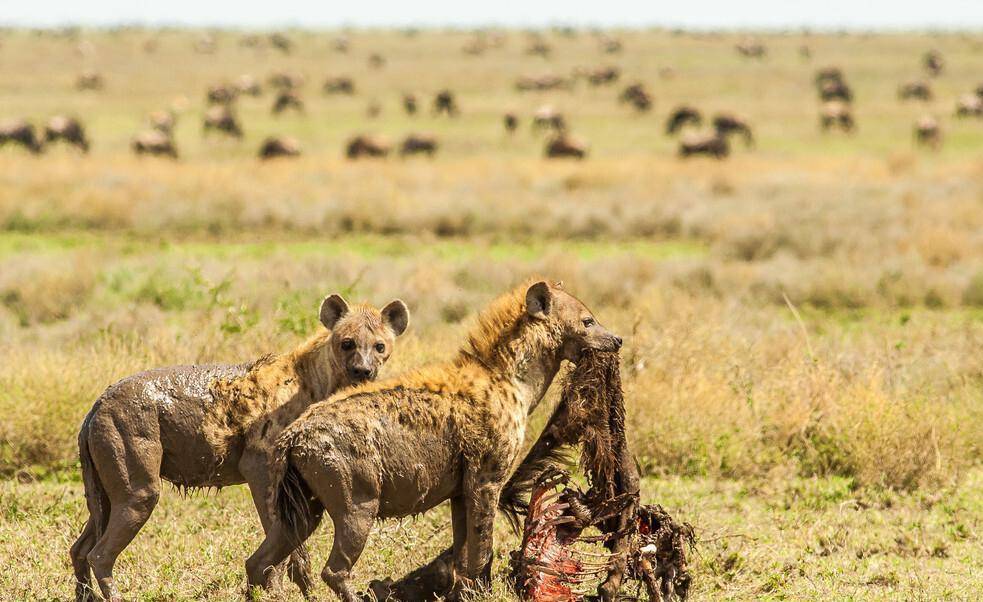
<point x="803" y="322"/>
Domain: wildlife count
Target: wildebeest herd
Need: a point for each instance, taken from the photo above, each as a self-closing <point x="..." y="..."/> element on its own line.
<point x="696" y="135"/>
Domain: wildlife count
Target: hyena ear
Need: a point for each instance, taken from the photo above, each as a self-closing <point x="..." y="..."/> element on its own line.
<point x="539" y="300"/>
<point x="333" y="308"/>
<point x="397" y="315"/>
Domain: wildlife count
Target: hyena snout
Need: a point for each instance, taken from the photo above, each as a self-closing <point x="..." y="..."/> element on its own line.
<point x="362" y="372"/>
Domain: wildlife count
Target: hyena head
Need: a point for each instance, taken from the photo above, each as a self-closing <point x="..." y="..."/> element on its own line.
<point x="362" y="337"/>
<point x="580" y="330"/>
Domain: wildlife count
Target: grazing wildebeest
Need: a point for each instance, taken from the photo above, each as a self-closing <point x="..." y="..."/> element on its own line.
<point x="339" y="85"/>
<point x="374" y="109"/>
<point x="341" y="44"/>
<point x="836" y="113"/>
<point x="927" y="132"/>
<point x="409" y="103"/>
<point x="279" y="146"/>
<point x="69" y="129"/>
<point x="162" y="121"/>
<point x="377" y="61"/>
<point x="713" y="144"/>
<point x="248" y="85"/>
<point x="19" y="131"/>
<point x="917" y="89"/>
<point x="933" y="62"/>
<point x="281" y="42"/>
<point x="89" y="80"/>
<point x="969" y="105"/>
<point x="637" y="96"/>
<point x="726" y="124"/>
<point x="611" y="45"/>
<point x="287" y="99"/>
<point x="367" y="146"/>
<point x="681" y="116"/>
<point x="542" y="83"/>
<point x="603" y="75"/>
<point x="153" y="142"/>
<point x="539" y="47"/>
<point x="835" y="90"/>
<point x="564" y="145"/>
<point x="828" y="74"/>
<point x="281" y="80"/>
<point x="450" y="431"/>
<point x="511" y="121"/>
<point x="415" y="144"/>
<point x="751" y="49"/>
<point x="205" y="426"/>
<point x="221" y="94"/>
<point x="220" y="118"/>
<point x="547" y="117"/>
<point x="444" y="102"/>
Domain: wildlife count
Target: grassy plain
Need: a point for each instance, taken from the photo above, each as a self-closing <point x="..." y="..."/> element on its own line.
<point x="804" y="321"/>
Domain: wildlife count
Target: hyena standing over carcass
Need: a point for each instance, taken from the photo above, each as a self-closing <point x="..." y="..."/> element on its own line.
<point x="212" y="426"/>
<point x="449" y="431"/>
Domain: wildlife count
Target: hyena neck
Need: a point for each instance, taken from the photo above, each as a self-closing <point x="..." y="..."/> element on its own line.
<point x="316" y="370"/>
<point x="526" y="362"/>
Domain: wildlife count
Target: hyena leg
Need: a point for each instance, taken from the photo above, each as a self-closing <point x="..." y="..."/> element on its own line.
<point x="130" y="475"/>
<point x="299" y="563"/>
<point x="481" y="494"/>
<point x="80" y="549"/>
<point x="351" y="530"/>
<point x="459" y="524"/>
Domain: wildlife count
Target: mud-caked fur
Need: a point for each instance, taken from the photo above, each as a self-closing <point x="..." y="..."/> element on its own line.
<point x="451" y="431"/>
<point x="212" y="426"/>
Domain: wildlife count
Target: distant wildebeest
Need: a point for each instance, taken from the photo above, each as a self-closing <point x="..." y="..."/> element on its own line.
<point x="150" y="45"/>
<point x="933" y="62"/>
<point x="281" y="42"/>
<point x="339" y="85"/>
<point x="979" y="90"/>
<point x="726" y="124"/>
<point x="835" y="90"/>
<point x="279" y="146"/>
<point x="476" y="46"/>
<point x="89" y="80"/>
<point x="969" y="105"/>
<point x="511" y="122"/>
<point x="205" y="44"/>
<point x="541" y="83"/>
<point x="805" y="53"/>
<point x="374" y="109"/>
<point x="713" y="144"/>
<point x="682" y="116"/>
<point x="283" y="80"/>
<point x="637" y="96"/>
<point x="547" y="117"/>
<point x="162" y="121"/>
<point x="153" y="142"/>
<point x="409" y="103"/>
<point x="836" y="113"/>
<point x="828" y="74"/>
<point x="377" y="61"/>
<point x="565" y="145"/>
<point x="603" y="75"/>
<point x="68" y="129"/>
<point x="19" y="131"/>
<point x="248" y="85"/>
<point x="917" y="89"/>
<point x="204" y="426"/>
<point x="341" y="44"/>
<point x="444" y="102"/>
<point x="927" y="132"/>
<point x="220" y="118"/>
<point x="250" y="41"/>
<point x="611" y="45"/>
<point x="539" y="47"/>
<point x="221" y="94"/>
<point x="287" y="99"/>
<point x="751" y="49"/>
<point x="415" y="144"/>
<point x="367" y="146"/>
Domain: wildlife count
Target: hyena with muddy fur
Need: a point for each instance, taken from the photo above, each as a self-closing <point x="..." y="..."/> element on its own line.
<point x="212" y="426"/>
<point x="451" y="431"/>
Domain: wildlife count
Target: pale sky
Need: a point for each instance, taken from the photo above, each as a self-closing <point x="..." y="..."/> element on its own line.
<point x="266" y="14"/>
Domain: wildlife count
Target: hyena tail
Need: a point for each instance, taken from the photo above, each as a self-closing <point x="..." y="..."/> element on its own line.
<point x="292" y="500"/>
<point x="96" y="498"/>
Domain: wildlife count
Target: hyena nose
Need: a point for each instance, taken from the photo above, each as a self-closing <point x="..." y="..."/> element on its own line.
<point x="617" y="342"/>
<point x="360" y="373"/>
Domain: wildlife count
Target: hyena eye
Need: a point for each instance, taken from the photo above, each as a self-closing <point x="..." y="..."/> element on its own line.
<point x="588" y="322"/>
<point x="347" y="344"/>
<point x="380" y="347"/>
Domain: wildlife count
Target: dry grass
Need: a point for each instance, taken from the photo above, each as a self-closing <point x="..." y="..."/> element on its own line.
<point x="803" y="325"/>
